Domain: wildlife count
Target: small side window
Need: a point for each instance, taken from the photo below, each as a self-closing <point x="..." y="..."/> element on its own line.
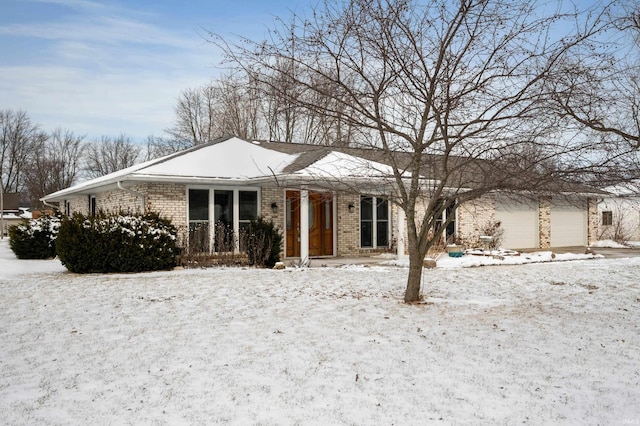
<point x="607" y="218"/>
<point x="92" y="205"/>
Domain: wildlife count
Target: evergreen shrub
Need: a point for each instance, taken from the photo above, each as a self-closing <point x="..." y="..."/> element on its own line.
<point x="117" y="243"/>
<point x="262" y="242"/>
<point x="35" y="238"/>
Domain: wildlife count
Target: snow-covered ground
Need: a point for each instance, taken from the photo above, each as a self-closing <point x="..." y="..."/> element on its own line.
<point x="613" y="244"/>
<point x="544" y="343"/>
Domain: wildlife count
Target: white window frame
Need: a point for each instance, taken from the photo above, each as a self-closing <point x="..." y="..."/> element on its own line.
<point x="236" y="207"/>
<point x="374" y="222"/>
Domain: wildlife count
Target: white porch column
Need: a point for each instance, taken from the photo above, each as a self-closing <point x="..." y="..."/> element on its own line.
<point x="400" y="220"/>
<point x="236" y="220"/>
<point x="304" y="227"/>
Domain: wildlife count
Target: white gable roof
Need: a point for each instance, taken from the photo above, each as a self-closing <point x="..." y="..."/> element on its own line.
<point x="231" y="160"/>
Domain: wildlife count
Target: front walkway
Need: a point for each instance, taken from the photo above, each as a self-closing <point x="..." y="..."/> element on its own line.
<point x="334" y="262"/>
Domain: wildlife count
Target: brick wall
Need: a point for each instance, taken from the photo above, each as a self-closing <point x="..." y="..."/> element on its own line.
<point x="120" y="201"/>
<point x="268" y="196"/>
<point x="169" y="200"/>
<point x="348" y="231"/>
<point x="393" y="220"/>
<point x="473" y="216"/>
<point x="79" y="204"/>
<point x="544" y="222"/>
<point x="108" y="202"/>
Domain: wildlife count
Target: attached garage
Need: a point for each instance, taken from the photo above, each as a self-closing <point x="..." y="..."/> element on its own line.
<point x="568" y="223"/>
<point x="519" y="220"/>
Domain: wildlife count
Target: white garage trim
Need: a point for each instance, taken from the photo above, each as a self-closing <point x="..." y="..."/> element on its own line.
<point x="568" y="223"/>
<point x="519" y="220"/>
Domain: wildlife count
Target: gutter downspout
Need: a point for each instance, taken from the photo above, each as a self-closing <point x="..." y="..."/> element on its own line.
<point x="597" y="207"/>
<point x="50" y="205"/>
<point x="135" y="194"/>
<point x="1" y="209"/>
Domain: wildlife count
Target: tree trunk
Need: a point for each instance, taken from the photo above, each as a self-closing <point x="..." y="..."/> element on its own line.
<point x="416" y="258"/>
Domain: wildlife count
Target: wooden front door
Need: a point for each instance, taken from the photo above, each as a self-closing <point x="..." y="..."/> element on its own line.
<point x="320" y="224"/>
<point x="292" y="235"/>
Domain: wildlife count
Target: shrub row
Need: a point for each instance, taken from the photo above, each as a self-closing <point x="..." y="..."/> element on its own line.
<point x="121" y="243"/>
<point x="125" y="243"/>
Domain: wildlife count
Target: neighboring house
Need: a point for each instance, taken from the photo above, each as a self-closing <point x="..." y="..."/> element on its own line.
<point x="620" y="213"/>
<point x="12" y="213"/>
<point x="328" y="201"/>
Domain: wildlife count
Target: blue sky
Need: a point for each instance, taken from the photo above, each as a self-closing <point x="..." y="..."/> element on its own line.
<point x="110" y="67"/>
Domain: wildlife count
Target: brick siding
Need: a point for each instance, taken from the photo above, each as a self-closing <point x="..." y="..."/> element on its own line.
<point x="544" y="222"/>
<point x="169" y="200"/>
<point x="473" y="216"/>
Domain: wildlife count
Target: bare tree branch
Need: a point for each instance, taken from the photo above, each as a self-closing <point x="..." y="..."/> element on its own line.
<point x="448" y="93"/>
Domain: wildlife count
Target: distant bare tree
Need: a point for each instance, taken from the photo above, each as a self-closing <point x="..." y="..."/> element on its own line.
<point x="194" y="124"/>
<point x="226" y="106"/>
<point x="239" y="104"/>
<point x="54" y="163"/>
<point x="110" y="154"/>
<point x="158" y="146"/>
<point x="450" y="89"/>
<point x="18" y="136"/>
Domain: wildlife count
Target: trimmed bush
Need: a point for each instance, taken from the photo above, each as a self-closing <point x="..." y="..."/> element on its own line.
<point x="117" y="243"/>
<point x="262" y="242"/>
<point x="35" y="238"/>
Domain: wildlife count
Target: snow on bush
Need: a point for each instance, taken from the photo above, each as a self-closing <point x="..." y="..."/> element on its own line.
<point x="117" y="243"/>
<point x="35" y="238"/>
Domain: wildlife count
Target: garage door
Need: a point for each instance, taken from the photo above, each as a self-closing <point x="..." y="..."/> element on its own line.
<point x="568" y="223"/>
<point x="519" y="220"/>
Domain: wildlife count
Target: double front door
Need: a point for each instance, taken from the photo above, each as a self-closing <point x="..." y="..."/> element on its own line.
<point x="320" y="214"/>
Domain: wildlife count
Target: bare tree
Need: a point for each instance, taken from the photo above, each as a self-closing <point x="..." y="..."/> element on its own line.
<point x="158" y="146"/>
<point x="226" y="106"/>
<point x="18" y="136"/>
<point x="54" y="163"/>
<point x="599" y="87"/>
<point x="239" y="104"/>
<point x="110" y="154"/>
<point x="448" y="91"/>
<point x="194" y="124"/>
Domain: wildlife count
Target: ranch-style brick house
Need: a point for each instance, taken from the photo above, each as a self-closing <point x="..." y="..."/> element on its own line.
<point x="328" y="201"/>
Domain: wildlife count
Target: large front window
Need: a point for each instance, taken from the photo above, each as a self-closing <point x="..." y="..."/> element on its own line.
<point x="223" y="221"/>
<point x="199" y="220"/>
<point x="448" y="215"/>
<point x="374" y="222"/>
<point x="217" y="216"/>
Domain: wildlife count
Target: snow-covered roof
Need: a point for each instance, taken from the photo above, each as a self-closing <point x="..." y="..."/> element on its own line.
<point x="232" y="160"/>
<point x="13" y="215"/>
<point x="235" y="161"/>
<point x="625" y="189"/>
<point x="338" y="165"/>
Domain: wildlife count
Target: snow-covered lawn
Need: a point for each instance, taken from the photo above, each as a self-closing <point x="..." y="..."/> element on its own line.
<point x="613" y="244"/>
<point x="547" y="343"/>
